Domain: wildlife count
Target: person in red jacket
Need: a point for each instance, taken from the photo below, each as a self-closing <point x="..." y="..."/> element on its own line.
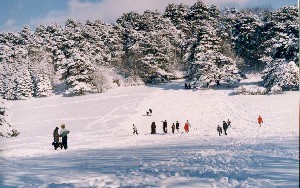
<point x="187" y="126"/>
<point x="259" y="120"/>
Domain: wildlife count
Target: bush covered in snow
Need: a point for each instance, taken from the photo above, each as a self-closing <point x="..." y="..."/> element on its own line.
<point x="281" y="73"/>
<point x="275" y="90"/>
<point x="250" y="90"/>
<point x="5" y="128"/>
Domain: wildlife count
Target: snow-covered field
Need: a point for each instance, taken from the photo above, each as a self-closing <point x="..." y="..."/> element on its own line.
<point x="104" y="153"/>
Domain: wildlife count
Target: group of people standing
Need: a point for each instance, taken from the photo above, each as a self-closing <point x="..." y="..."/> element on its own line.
<point x="228" y="124"/>
<point x="174" y="126"/>
<point x="225" y="127"/>
<point x="63" y="135"/>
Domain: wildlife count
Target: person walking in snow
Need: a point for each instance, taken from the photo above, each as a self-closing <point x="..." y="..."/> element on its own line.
<point x="259" y="120"/>
<point x="173" y="128"/>
<point x="63" y="133"/>
<point x="187" y="126"/>
<point x="153" y="128"/>
<point x="219" y="129"/>
<point x="150" y="111"/>
<point x="229" y="123"/>
<point x="165" y="126"/>
<point x="225" y="127"/>
<point x="177" y="126"/>
<point x="134" y="130"/>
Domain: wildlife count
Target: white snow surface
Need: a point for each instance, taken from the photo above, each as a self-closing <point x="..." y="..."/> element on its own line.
<point x="104" y="153"/>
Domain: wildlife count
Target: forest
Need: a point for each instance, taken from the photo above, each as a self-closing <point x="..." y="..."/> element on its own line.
<point x="201" y="42"/>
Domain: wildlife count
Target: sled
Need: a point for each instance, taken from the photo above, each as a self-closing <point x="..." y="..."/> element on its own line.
<point x="58" y="144"/>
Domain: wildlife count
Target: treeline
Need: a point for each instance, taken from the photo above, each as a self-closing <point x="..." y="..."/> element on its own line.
<point x="207" y="43"/>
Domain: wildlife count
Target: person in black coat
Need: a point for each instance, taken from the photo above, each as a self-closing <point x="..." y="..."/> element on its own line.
<point x="225" y="127"/>
<point x="150" y="110"/>
<point x="185" y="86"/>
<point x="153" y="128"/>
<point x="177" y="126"/>
<point x="165" y="125"/>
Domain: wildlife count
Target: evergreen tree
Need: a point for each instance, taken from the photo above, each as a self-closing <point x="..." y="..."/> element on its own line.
<point x="281" y="48"/>
<point x="77" y="72"/>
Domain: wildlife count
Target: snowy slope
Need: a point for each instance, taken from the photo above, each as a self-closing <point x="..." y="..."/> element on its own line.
<point x="104" y="153"/>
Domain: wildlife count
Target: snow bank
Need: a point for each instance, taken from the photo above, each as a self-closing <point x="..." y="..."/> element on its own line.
<point x="250" y="90"/>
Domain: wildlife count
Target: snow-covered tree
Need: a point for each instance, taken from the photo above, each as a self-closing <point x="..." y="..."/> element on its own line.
<point x="77" y="70"/>
<point x="281" y="44"/>
<point x="6" y="129"/>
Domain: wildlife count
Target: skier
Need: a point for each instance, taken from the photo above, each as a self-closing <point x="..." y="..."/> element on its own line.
<point x="225" y="127"/>
<point x="134" y="130"/>
<point x="153" y="128"/>
<point x="260" y="120"/>
<point x="147" y="113"/>
<point x="219" y="129"/>
<point x="187" y="125"/>
<point x="63" y="133"/>
<point x="150" y="110"/>
<point x="165" y="125"/>
<point x="173" y="128"/>
<point x="56" y="142"/>
<point x="177" y="126"/>
<point x="229" y="123"/>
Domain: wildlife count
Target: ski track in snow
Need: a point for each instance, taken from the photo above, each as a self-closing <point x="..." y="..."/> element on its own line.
<point x="104" y="153"/>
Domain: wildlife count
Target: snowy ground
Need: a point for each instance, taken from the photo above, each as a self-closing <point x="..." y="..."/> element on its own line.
<point x="104" y="153"/>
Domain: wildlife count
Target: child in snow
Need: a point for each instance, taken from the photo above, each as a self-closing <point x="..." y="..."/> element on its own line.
<point x="135" y="130"/>
<point x="177" y="126"/>
<point x="229" y="123"/>
<point x="260" y="120"/>
<point x="225" y="127"/>
<point x="56" y="142"/>
<point x="219" y="129"/>
<point x="187" y="126"/>
<point x="63" y="133"/>
<point x="173" y="128"/>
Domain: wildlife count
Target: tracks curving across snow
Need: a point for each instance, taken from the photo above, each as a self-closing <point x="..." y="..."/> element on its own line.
<point x="104" y="153"/>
